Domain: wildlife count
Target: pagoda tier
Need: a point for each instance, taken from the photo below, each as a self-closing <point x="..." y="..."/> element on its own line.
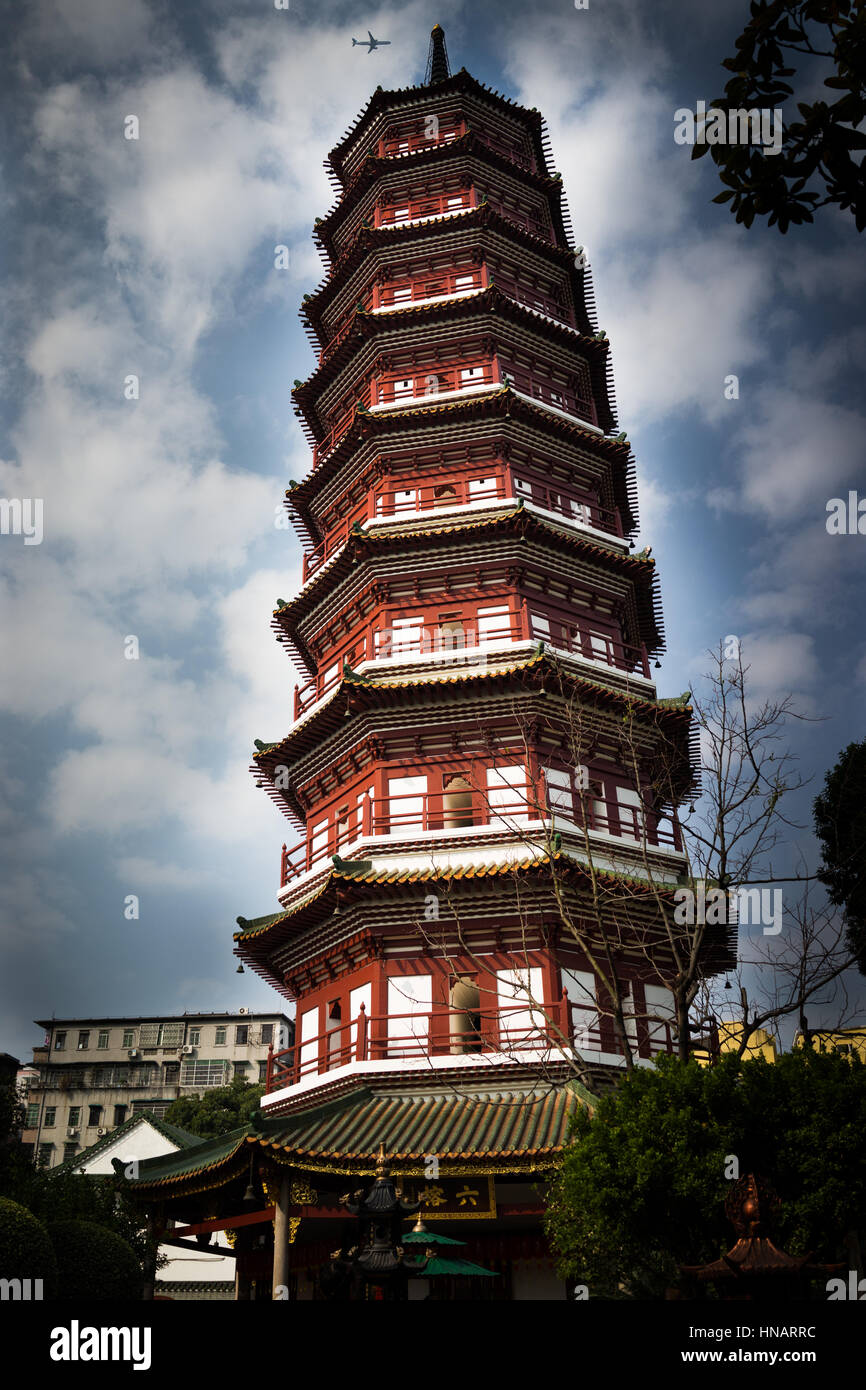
<point x="484" y="778"/>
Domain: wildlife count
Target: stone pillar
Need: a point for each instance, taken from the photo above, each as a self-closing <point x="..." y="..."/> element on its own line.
<point x="281" y="1238"/>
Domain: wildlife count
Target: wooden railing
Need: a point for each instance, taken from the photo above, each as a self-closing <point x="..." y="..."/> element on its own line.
<point x="541" y="389"/>
<point x="527" y="1027"/>
<point x="450" y="640"/>
<point x="433" y="205"/>
<point x="413" y="815"/>
<point x="463" y="637"/>
<point x="386" y="502"/>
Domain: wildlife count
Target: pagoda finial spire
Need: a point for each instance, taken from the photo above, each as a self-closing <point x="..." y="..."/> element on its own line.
<point x="438" y="67"/>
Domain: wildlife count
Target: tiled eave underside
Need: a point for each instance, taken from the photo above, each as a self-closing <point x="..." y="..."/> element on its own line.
<point x="519" y="521"/>
<point x="372" y="695"/>
<point x="390" y="172"/>
<point x="497" y="404"/>
<point x="482" y="313"/>
<point x="460" y="235"/>
<point x="601" y="458"/>
<point x="395" y="101"/>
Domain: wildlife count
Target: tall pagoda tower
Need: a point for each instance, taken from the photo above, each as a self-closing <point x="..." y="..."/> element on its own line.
<point x="482" y="780"/>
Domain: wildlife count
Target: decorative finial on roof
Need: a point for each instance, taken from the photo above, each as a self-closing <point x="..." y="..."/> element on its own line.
<point x="438" y="67"/>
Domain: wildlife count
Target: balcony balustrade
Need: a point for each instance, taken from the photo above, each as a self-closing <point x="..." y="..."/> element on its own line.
<point x="511" y="1031"/>
<point x="411" y="816"/>
<point x="468" y="641"/>
<point x="402" y="503"/>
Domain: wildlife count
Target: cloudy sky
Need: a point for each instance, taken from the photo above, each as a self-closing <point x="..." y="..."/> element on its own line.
<point x="155" y="258"/>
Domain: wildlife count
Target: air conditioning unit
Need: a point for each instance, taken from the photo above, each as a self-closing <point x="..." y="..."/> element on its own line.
<point x="100" y="1132"/>
<point x="133" y="1052"/>
<point x="187" y="1050"/>
<point x="243" y="1011"/>
<point x="71" y="1132"/>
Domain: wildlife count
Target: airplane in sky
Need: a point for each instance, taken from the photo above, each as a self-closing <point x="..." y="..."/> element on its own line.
<point x="373" y="43"/>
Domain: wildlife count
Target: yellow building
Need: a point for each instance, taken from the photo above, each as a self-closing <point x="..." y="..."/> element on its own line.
<point x="760" y="1044"/>
<point x="848" y="1041"/>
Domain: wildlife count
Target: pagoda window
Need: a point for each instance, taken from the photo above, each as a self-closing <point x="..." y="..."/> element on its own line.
<point x="405" y="500"/>
<point x="482" y="488"/>
<point x="471" y="376"/>
<point x="600" y="647"/>
<point x="407" y="803"/>
<point x="410" y="1002"/>
<point x="466" y="282"/>
<point x="464" y="1027"/>
<point x="661" y="1016"/>
<point x="308" y="1053"/>
<point x="330" y="677"/>
<point x="559" y="789"/>
<point x="518" y="990"/>
<point x="318" y="842"/>
<point x="579" y="986"/>
<point x="402" y="638"/>
<point x="507" y="794"/>
<point x="594" y="801"/>
<point x="363" y="994"/>
<point x="494" y="624"/>
<point x="451" y="635"/>
<point x="540" y="627"/>
<point x="344" y="826"/>
<point x="445" y="496"/>
<point x="334" y="1029"/>
<point x="630" y="812"/>
<point x="457" y="801"/>
<point x="404" y="387"/>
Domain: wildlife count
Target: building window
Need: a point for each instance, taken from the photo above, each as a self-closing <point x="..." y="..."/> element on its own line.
<point x="464" y="1026"/>
<point x="172" y="1072"/>
<point x="220" y="1038"/>
<point x="46" y="1152"/>
<point x="50" y="1117"/>
<point x="194" y="1037"/>
<point x="128" y="1037"/>
<point x="242" y="1034"/>
<point x="102" y="1040"/>
<point x="59" y="1042"/>
<point x="160" y="1035"/>
<point x="240" y="1070"/>
<point x="263" y="1071"/>
<point x="84" y="1040"/>
<point x="119" y="1114"/>
<point x="74" y="1116"/>
<point x="32" y="1117"/>
<point x="267" y="1032"/>
<point x="69" y="1151"/>
<point x="205" y="1073"/>
<point x="94" y="1115"/>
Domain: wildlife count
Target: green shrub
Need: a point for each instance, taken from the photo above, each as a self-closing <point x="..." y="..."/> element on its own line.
<point x="94" y="1263"/>
<point x="25" y="1249"/>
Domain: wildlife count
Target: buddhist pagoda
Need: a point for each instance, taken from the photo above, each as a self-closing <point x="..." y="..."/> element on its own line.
<point x="482" y="783"/>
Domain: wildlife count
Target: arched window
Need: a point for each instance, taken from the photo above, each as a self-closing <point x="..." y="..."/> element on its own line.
<point x="465" y="1016"/>
<point x="457" y="801"/>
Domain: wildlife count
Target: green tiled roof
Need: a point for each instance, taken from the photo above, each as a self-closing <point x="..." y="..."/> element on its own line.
<point x="502" y="1131"/>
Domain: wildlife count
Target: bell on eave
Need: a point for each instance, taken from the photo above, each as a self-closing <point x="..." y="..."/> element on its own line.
<point x="240" y="969"/>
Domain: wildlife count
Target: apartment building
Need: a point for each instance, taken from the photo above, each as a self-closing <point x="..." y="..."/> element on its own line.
<point x="93" y="1074"/>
